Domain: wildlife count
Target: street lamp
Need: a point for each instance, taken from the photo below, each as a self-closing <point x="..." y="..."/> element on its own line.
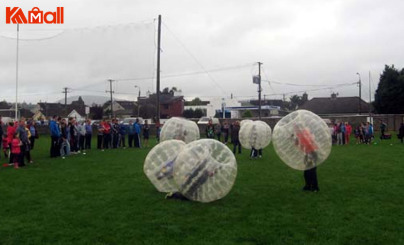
<point x="138" y="105"/>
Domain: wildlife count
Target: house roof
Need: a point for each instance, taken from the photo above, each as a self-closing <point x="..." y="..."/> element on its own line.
<point x="50" y="109"/>
<point x="338" y="105"/>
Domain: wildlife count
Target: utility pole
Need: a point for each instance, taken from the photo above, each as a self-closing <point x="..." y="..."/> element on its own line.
<point x="370" y="97"/>
<point x="259" y="90"/>
<point x="65" y="91"/>
<point x="158" y="69"/>
<point x="138" y="105"/>
<point x="16" y="73"/>
<point x="360" y="93"/>
<point x="111" y="92"/>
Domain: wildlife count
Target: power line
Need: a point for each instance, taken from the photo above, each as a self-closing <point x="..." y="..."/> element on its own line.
<point x="195" y="59"/>
<point x="186" y="73"/>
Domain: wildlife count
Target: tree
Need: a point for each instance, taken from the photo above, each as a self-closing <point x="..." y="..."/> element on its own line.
<point x="188" y="113"/>
<point x="247" y="114"/>
<point x="389" y="96"/>
<point x="171" y="91"/>
<point x="198" y="113"/>
<point x="296" y="101"/>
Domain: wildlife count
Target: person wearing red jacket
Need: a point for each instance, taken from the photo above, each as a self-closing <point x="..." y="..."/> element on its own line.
<point x="11" y="129"/>
<point x="348" y="132"/>
<point x="107" y="134"/>
<point x="305" y="142"/>
<point x="15" y="156"/>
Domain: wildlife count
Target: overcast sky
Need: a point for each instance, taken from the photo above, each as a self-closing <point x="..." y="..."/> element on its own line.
<point x="311" y="42"/>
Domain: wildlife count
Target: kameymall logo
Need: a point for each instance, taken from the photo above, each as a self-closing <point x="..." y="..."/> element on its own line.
<point x="15" y="15"/>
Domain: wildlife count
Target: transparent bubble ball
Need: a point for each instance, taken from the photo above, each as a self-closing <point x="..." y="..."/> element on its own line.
<point x="177" y="128"/>
<point x="245" y="121"/>
<point x="159" y="165"/>
<point x="302" y="140"/>
<point x="255" y="134"/>
<point x="205" y="170"/>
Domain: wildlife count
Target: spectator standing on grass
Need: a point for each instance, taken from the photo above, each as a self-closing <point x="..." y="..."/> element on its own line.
<point x="100" y="135"/>
<point x="343" y="132"/>
<point x="15" y="156"/>
<point x="72" y="136"/>
<point x="34" y="133"/>
<point x="210" y="130"/>
<point x="122" y="135"/>
<point x="383" y="127"/>
<point x="107" y="134"/>
<point x="146" y="133"/>
<point x="339" y="134"/>
<point x="65" y="144"/>
<point x="234" y="137"/>
<point x="225" y="131"/>
<point x="370" y="132"/>
<point x="55" y="136"/>
<point x="348" y="132"/>
<point x="89" y="134"/>
<point x="218" y="131"/>
<point x="131" y="133"/>
<point x="24" y="138"/>
<point x="401" y="132"/>
<point x="115" y="133"/>
<point x="138" y="129"/>
<point x="82" y="135"/>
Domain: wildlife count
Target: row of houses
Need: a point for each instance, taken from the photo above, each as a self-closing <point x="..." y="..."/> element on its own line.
<point x="172" y="105"/>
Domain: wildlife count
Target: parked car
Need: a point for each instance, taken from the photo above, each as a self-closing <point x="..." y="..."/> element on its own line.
<point x="127" y="120"/>
<point x="205" y="120"/>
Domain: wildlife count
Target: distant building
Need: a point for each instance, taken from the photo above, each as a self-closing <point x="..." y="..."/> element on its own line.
<point x="336" y="105"/>
<point x="170" y="105"/>
<point x="216" y="105"/>
<point x="45" y="110"/>
<point x="122" y="108"/>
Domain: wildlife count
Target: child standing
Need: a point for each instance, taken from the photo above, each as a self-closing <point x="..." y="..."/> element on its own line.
<point x="15" y="150"/>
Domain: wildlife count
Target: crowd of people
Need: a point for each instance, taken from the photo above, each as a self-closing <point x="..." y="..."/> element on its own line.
<point x="18" y="142"/>
<point x="71" y="137"/>
<point x="342" y="131"/>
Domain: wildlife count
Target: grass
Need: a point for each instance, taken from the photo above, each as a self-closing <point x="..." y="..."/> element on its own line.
<point x="104" y="198"/>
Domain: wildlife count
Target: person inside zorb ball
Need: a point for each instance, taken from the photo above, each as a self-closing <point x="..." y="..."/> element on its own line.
<point x="302" y="140"/>
<point x="255" y="135"/>
<point x="205" y="170"/>
<point x="159" y="165"/>
<point x="179" y="129"/>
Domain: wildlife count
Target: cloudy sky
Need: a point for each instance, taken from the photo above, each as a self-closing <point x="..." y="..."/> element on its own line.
<point x="209" y="48"/>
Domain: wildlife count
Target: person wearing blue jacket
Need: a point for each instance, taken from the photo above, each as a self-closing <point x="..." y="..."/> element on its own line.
<point x="55" y="136"/>
<point x="131" y="133"/>
<point x="122" y="133"/>
<point x="138" y="129"/>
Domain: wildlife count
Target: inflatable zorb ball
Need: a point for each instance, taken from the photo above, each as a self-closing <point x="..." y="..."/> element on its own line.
<point x="179" y="129"/>
<point x="302" y="140"/>
<point x="205" y="170"/>
<point x="245" y="121"/>
<point x="255" y="134"/>
<point x="159" y="165"/>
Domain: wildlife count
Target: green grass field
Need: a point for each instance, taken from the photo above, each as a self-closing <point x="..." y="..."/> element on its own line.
<point x="104" y="198"/>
